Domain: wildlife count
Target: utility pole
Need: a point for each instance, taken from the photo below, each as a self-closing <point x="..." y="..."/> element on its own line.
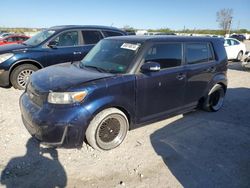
<point x="229" y="24"/>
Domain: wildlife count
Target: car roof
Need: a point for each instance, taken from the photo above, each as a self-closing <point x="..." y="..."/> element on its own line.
<point x="161" y="38"/>
<point x="232" y="38"/>
<point x="63" y="27"/>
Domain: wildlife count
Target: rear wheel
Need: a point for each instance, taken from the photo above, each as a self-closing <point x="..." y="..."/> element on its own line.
<point x="108" y="129"/>
<point x="215" y="99"/>
<point x="239" y="56"/>
<point x="21" y="74"/>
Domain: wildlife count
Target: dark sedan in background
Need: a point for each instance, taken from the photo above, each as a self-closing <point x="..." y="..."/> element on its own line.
<point x="55" y="45"/>
<point x="238" y="37"/>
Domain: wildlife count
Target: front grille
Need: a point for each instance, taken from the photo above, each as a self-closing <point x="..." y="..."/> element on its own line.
<point x="37" y="97"/>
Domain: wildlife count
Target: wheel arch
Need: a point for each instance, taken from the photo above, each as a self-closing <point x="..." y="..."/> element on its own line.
<point x="25" y="61"/>
<point x="94" y="107"/>
<point x="220" y="79"/>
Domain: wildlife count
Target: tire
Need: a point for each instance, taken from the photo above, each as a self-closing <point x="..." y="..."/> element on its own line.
<point x="215" y="98"/>
<point x="239" y="56"/>
<point x="108" y="129"/>
<point x="21" y="74"/>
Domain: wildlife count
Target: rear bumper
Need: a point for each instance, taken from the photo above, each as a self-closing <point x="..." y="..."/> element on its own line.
<point x="4" y="78"/>
<point x="55" y="126"/>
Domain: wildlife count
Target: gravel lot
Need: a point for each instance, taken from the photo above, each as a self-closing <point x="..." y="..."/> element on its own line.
<point x="198" y="149"/>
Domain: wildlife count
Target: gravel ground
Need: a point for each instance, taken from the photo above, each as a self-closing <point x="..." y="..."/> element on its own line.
<point x="198" y="149"/>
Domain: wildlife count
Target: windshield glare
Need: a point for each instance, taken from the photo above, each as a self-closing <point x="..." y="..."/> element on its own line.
<point x="111" y="56"/>
<point x="39" y="38"/>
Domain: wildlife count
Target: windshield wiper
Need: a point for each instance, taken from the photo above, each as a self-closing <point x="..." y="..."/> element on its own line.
<point x="97" y="68"/>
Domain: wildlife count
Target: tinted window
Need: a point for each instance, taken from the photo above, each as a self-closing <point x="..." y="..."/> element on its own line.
<point x="111" y="33"/>
<point x="16" y="38"/>
<point x="228" y="42"/>
<point x="67" y="39"/>
<point x="22" y="38"/>
<point x="10" y="39"/>
<point x="234" y="42"/>
<point x="197" y="53"/>
<point x="91" y="37"/>
<point x="210" y="53"/>
<point x="167" y="55"/>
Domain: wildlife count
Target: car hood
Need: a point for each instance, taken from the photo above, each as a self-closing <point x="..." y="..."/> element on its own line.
<point x="64" y="76"/>
<point x="12" y="48"/>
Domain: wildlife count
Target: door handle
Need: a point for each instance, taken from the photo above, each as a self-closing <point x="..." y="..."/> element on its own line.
<point x="181" y="76"/>
<point x="77" y="53"/>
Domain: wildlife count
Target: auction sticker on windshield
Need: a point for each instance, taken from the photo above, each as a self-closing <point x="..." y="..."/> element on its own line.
<point x="129" y="46"/>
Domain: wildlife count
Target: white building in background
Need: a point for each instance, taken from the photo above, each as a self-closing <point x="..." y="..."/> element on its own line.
<point x="141" y="32"/>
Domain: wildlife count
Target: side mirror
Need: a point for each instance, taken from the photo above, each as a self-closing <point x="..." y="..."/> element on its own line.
<point x="52" y="44"/>
<point x="150" y="66"/>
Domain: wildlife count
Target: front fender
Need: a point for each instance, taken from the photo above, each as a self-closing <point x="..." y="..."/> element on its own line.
<point x="123" y="104"/>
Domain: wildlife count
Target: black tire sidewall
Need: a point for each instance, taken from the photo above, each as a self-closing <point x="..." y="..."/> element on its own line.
<point x="212" y="107"/>
<point x="207" y="106"/>
<point x="16" y="72"/>
<point x="240" y="54"/>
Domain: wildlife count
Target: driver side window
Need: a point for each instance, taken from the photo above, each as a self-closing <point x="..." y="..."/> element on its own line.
<point x="67" y="39"/>
<point x="167" y="55"/>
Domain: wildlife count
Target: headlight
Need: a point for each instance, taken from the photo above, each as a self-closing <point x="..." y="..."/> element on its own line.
<point x="5" y="57"/>
<point x="66" y="97"/>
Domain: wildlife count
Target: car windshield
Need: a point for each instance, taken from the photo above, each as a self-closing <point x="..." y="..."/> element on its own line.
<point x="39" y="38"/>
<point x="111" y="56"/>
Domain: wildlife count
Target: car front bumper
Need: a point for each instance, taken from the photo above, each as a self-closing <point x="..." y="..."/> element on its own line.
<point x="4" y="78"/>
<point x="55" y="126"/>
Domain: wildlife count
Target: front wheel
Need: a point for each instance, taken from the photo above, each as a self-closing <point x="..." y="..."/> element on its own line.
<point x="215" y="99"/>
<point x="108" y="129"/>
<point x="21" y="74"/>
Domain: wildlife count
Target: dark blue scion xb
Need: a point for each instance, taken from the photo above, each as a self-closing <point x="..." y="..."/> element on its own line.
<point x="123" y="82"/>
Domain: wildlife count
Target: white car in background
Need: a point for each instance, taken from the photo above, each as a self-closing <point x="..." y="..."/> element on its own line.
<point x="235" y="49"/>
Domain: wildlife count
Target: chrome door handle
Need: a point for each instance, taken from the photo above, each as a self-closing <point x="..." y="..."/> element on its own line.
<point x="77" y="53"/>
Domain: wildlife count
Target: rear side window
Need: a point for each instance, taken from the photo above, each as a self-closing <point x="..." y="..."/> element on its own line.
<point x="91" y="37"/>
<point x="22" y="38"/>
<point x="167" y="55"/>
<point x="111" y="33"/>
<point x="198" y="53"/>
